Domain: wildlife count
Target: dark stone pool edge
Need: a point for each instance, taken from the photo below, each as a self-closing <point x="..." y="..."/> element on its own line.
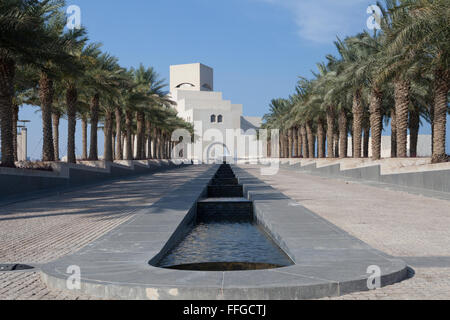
<point x="316" y="279"/>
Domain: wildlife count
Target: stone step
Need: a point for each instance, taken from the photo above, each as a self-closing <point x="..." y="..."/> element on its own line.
<point x="218" y="209"/>
<point x="225" y="191"/>
<point x="224" y="176"/>
<point x="231" y="199"/>
<point x="218" y="174"/>
<point x="225" y="181"/>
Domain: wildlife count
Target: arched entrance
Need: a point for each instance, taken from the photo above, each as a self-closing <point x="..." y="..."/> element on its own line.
<point x="216" y="152"/>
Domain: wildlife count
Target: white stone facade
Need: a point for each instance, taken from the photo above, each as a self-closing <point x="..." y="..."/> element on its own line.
<point x="192" y="88"/>
<point x="22" y="145"/>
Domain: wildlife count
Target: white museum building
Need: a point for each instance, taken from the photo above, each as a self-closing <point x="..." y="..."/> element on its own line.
<point x="220" y="129"/>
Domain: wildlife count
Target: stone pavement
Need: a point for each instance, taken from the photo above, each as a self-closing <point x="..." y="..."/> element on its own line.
<point x="43" y="230"/>
<point x="412" y="227"/>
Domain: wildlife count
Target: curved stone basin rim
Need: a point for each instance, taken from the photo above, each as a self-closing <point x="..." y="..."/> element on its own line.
<point x="328" y="261"/>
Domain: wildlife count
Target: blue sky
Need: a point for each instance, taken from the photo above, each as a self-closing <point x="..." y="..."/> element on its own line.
<point x="257" y="48"/>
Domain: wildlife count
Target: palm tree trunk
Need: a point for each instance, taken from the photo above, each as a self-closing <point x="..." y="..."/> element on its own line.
<point x="7" y="73"/>
<point x="401" y="111"/>
<point x="414" y="124"/>
<point x="432" y="126"/>
<point x="300" y="143"/>
<point x="129" y="142"/>
<point x="393" y="134"/>
<point x="441" y="88"/>
<point x="358" y="113"/>
<point x="282" y="145"/>
<point x="108" y="156"/>
<point x="336" y="143"/>
<point x="289" y="145"/>
<point x="155" y="142"/>
<point x="320" y="139"/>
<point x="165" y="148"/>
<point x="311" y="140"/>
<point x="71" y="101"/>
<point x="113" y="142"/>
<point x="160" y="155"/>
<point x="343" y="133"/>
<point x="14" y="129"/>
<point x="149" y="139"/>
<point x="295" y="142"/>
<point x="119" y="147"/>
<point x="165" y="143"/>
<point x="93" y="148"/>
<point x="376" y="122"/>
<point x="366" y="141"/>
<point x="143" y="140"/>
<point x="353" y="141"/>
<point x="123" y="138"/>
<point x="305" y="150"/>
<point x="46" y="98"/>
<point x="55" y="120"/>
<point x="140" y="134"/>
<point x="84" y="124"/>
<point x="330" y="131"/>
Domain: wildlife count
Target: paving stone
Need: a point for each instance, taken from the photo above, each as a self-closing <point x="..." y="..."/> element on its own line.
<point x="415" y="228"/>
<point x="39" y="231"/>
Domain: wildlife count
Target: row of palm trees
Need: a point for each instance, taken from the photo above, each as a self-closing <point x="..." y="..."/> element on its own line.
<point x="400" y="74"/>
<point x="45" y="65"/>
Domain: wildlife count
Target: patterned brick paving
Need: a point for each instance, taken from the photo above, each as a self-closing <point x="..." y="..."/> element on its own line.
<point x="397" y="223"/>
<point x="40" y="231"/>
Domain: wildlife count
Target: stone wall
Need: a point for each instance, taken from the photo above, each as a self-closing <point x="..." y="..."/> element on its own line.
<point x="16" y="183"/>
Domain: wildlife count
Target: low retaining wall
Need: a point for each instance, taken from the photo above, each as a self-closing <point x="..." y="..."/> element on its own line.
<point x="433" y="179"/>
<point x="20" y="182"/>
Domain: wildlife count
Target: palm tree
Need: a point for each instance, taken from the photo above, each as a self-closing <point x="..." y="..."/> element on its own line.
<point x="368" y="69"/>
<point x="338" y="95"/>
<point x="151" y="86"/>
<point x="133" y="97"/>
<point x="279" y="110"/>
<point x="58" y="110"/>
<point x="305" y="112"/>
<point x="106" y="76"/>
<point x="74" y="82"/>
<point x="53" y="69"/>
<point x="82" y="112"/>
<point x="355" y="76"/>
<point x="421" y="100"/>
<point x="109" y="104"/>
<point x="25" y="40"/>
<point x="420" y="32"/>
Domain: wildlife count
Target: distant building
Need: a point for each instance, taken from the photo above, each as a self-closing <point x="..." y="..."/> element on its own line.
<point x="192" y="88"/>
<point x="22" y="137"/>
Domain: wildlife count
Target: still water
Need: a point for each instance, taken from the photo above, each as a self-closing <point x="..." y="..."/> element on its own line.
<point x="223" y="242"/>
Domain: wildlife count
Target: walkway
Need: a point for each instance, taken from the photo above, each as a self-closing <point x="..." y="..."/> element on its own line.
<point x="412" y="227"/>
<point x="40" y="231"/>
